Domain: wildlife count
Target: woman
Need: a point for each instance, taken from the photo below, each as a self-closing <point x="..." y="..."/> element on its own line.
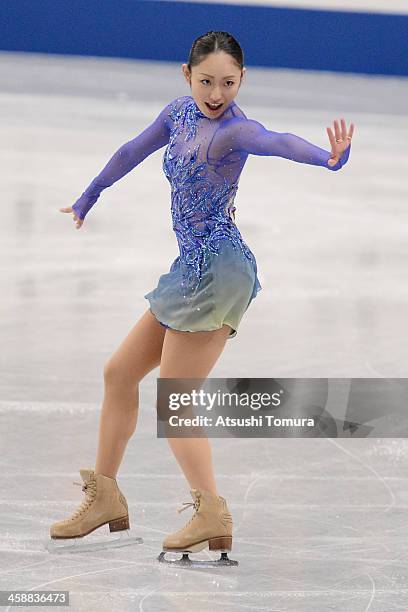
<point x="199" y="303"/>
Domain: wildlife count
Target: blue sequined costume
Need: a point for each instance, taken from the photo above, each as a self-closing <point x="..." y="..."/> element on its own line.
<point x="214" y="278"/>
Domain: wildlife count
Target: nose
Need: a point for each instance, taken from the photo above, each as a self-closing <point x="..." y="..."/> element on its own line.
<point x="215" y="97"/>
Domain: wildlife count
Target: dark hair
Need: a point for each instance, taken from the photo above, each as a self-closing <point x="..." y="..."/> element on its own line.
<point x="215" y="41"/>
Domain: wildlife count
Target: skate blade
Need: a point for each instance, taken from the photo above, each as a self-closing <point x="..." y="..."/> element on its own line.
<point x="91" y="542"/>
<point x="186" y="562"/>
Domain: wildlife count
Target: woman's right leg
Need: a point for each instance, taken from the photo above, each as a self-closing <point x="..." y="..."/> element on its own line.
<point x="139" y="353"/>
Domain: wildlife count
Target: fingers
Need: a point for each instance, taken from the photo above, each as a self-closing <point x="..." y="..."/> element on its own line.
<point x="337" y="130"/>
<point x="344" y="135"/>
<point x="343" y="130"/>
<point x="331" y="138"/>
<point x="78" y="222"/>
<point x="341" y="133"/>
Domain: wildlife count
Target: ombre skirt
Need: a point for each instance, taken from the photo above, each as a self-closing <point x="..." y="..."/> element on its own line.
<point x="227" y="287"/>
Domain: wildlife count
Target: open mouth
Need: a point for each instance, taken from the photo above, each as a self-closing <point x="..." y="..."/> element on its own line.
<point x="213" y="108"/>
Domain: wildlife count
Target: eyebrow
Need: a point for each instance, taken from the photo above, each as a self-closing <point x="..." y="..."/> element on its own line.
<point x="210" y="75"/>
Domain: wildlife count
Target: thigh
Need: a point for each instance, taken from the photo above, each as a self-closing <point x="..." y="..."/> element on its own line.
<point x="191" y="354"/>
<point x="138" y="354"/>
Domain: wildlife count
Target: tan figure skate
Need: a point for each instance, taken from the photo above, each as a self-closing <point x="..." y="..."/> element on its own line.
<point x="210" y="525"/>
<point x="104" y="503"/>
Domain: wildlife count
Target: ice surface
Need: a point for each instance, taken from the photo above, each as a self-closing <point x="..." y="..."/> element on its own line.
<point x="319" y="525"/>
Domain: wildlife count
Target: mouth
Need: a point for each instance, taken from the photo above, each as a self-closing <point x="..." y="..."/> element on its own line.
<point x="213" y="109"/>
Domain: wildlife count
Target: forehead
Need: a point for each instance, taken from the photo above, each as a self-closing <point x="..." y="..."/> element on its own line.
<point x="219" y="64"/>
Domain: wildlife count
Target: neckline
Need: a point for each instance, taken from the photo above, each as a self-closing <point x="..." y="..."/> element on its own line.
<point x="199" y="113"/>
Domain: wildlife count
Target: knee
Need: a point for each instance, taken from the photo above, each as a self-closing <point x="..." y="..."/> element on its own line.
<point x="116" y="375"/>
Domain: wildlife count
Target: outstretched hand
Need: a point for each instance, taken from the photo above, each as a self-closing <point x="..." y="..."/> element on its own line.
<point x="76" y="219"/>
<point x="339" y="141"/>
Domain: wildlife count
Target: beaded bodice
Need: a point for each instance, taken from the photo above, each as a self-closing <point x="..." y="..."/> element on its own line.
<point x="203" y="185"/>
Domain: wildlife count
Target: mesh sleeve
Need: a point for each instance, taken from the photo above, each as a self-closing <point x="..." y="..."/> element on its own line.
<point x="252" y="137"/>
<point x="127" y="157"/>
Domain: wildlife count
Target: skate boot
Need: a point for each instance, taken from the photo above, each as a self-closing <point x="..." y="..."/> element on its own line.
<point x="210" y="525"/>
<point x="104" y="503"/>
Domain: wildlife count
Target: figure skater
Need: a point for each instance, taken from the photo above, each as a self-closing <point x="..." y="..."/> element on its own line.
<point x="198" y="304"/>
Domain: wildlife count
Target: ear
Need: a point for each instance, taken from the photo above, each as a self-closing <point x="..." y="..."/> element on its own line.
<point x="243" y="72"/>
<point x="186" y="73"/>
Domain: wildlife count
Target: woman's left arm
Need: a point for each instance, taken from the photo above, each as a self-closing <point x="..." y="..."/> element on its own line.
<point x="252" y="137"/>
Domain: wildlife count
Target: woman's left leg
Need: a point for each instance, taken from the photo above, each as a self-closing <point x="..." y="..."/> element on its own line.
<point x="193" y="355"/>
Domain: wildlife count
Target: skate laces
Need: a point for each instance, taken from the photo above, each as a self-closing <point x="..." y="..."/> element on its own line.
<point x="195" y="503"/>
<point x="89" y="488"/>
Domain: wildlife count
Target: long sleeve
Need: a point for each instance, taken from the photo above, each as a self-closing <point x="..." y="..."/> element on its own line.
<point x="252" y="137"/>
<point x="127" y="157"/>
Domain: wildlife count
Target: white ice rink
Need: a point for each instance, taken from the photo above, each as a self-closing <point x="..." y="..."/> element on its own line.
<point x="319" y="524"/>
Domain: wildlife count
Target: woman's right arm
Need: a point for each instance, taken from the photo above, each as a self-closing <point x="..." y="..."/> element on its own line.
<point x="127" y="157"/>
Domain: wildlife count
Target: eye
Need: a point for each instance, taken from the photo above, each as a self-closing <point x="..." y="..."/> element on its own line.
<point x="207" y="81"/>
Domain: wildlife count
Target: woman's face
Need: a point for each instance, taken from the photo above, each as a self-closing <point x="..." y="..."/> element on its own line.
<point x="216" y="80"/>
